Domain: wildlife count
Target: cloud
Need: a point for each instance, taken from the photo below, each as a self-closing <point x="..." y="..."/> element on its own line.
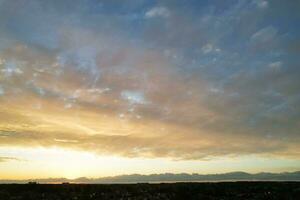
<point x="1" y="91"/>
<point x="276" y="66"/>
<point x="175" y="146"/>
<point x="134" y="97"/>
<point x="7" y="159"/>
<point x="207" y="48"/>
<point x="265" y="34"/>
<point x="262" y="4"/>
<point x="153" y="89"/>
<point x="157" y="12"/>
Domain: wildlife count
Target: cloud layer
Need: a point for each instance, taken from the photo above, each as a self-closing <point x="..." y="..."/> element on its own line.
<point x="189" y="80"/>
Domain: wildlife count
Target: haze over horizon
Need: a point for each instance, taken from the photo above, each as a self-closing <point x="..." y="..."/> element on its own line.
<point x="96" y="88"/>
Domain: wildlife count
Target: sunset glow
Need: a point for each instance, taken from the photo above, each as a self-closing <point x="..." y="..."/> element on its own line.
<point x="101" y="88"/>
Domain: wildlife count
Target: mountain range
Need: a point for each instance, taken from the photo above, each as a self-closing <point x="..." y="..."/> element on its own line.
<point x="170" y="177"/>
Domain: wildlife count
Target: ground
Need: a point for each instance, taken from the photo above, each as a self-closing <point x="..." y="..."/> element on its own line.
<point x="143" y="191"/>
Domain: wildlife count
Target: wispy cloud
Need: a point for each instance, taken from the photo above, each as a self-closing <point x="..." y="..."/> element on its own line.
<point x="7" y="159"/>
<point x="157" y="12"/>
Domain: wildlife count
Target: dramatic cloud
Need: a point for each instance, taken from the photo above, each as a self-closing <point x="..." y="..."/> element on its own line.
<point x="172" y="79"/>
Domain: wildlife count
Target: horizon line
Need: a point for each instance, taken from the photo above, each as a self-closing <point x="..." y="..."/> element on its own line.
<point x="106" y="178"/>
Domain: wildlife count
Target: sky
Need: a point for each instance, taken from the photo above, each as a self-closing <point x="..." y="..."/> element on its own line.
<point x="93" y="88"/>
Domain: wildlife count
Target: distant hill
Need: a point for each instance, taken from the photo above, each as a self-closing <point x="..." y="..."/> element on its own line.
<point x="169" y="177"/>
